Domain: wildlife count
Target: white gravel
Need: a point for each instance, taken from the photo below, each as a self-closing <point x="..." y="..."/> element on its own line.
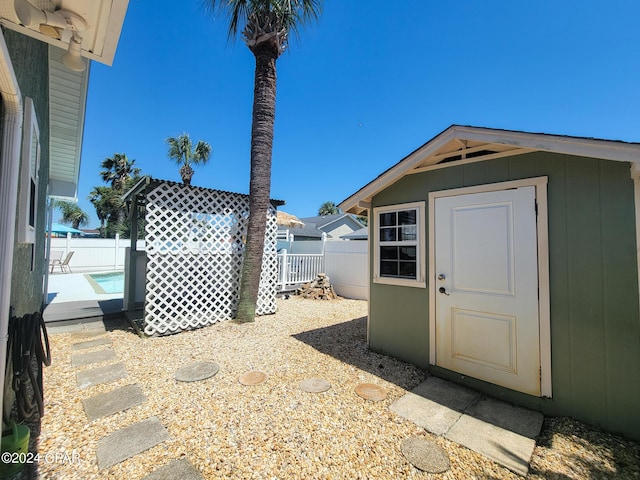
<point x="274" y="429"/>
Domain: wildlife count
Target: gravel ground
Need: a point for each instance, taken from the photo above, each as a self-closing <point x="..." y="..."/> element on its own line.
<point x="276" y="430"/>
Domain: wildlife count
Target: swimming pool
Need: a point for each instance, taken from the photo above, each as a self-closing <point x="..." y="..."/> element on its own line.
<point x="112" y="282"/>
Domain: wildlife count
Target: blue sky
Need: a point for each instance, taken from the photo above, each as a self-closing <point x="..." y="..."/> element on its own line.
<point x="361" y="88"/>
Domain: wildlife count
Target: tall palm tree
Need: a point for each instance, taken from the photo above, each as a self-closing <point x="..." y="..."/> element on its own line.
<point x="182" y="151"/>
<point x="266" y="25"/>
<point x="117" y="170"/>
<point x="72" y="213"/>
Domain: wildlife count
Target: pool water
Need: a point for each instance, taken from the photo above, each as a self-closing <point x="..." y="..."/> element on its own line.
<point x="112" y="282"/>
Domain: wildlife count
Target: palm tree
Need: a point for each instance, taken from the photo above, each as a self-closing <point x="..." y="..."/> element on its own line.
<point x="328" y="208"/>
<point x="117" y="170"/>
<point x="72" y="214"/>
<point x="266" y="25"/>
<point x="181" y="150"/>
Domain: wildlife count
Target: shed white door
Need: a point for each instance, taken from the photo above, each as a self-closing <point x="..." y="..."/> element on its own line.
<point x="486" y="290"/>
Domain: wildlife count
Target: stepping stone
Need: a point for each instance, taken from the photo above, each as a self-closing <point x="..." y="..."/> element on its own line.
<point x="91" y="343"/>
<point x="435" y="405"/>
<point x="87" y="358"/>
<point x="370" y="391"/>
<point x="112" y="402"/>
<point x="425" y="455"/>
<point x="315" y="385"/>
<point x="197" y="371"/>
<point x="99" y="375"/>
<point x="129" y="441"/>
<point x="502" y="446"/>
<point x="85" y="334"/>
<point x="181" y="469"/>
<point x="516" y="419"/>
<point x="253" y="378"/>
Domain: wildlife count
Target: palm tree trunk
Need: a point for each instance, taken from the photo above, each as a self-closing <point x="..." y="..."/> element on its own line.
<point x="263" y="118"/>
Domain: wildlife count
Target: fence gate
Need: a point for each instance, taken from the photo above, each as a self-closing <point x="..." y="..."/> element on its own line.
<point x="195" y="243"/>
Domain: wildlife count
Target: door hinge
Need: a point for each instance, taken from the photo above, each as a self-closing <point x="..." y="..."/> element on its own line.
<point x="535" y="207"/>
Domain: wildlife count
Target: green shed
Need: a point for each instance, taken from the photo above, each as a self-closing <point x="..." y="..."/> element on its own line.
<point x="508" y="262"/>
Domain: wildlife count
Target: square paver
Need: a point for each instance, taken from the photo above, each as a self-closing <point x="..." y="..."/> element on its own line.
<point x="515" y="419"/>
<point x="87" y="358"/>
<point x="502" y="446"/>
<point x="129" y="441"/>
<point x="112" y="402"/>
<point x="99" y="375"/>
<point x="181" y="469"/>
<point x="435" y="405"/>
<point x="91" y="343"/>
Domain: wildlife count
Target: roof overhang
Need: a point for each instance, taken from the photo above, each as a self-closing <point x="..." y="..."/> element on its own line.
<point x="67" y="102"/>
<point x="458" y="145"/>
<point x="103" y="18"/>
<point x="67" y="88"/>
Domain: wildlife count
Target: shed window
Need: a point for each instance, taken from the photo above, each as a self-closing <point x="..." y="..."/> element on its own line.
<point x="399" y="250"/>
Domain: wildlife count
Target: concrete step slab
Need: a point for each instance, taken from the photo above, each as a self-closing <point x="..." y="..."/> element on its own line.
<point x="435" y="405"/>
<point x="87" y="358"/>
<point x="99" y="375"/>
<point x="497" y="430"/>
<point x="130" y="441"/>
<point x="112" y="402"/>
<point x="97" y="342"/>
<point x="515" y="419"/>
<point x="181" y="469"/>
<point x="500" y="445"/>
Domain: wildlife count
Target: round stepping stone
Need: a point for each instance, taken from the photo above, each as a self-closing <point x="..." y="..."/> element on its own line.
<point x="254" y="377"/>
<point x="370" y="391"/>
<point x="425" y="455"/>
<point x="197" y="371"/>
<point x="315" y="385"/>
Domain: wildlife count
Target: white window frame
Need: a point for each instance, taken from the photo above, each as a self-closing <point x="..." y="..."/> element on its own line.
<point x="29" y="175"/>
<point x="420" y="280"/>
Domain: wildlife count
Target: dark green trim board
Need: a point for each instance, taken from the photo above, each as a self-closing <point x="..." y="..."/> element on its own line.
<point x="593" y="275"/>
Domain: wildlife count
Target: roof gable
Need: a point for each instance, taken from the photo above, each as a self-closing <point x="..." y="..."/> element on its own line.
<point x="458" y="145"/>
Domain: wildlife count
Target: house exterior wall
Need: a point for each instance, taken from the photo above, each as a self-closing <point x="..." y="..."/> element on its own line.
<point x="595" y="325"/>
<point x="30" y="62"/>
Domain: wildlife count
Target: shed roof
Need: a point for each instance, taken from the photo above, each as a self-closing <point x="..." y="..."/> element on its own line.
<point x="458" y="145"/>
<point x="140" y="188"/>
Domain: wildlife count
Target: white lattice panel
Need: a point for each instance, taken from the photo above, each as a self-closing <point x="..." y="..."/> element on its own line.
<point x="194" y="239"/>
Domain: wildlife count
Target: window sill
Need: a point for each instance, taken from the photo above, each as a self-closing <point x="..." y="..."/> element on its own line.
<point x="401" y="282"/>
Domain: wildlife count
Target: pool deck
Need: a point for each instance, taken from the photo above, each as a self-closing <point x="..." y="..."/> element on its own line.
<point x="73" y="301"/>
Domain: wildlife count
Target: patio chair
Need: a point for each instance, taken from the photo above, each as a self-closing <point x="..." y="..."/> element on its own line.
<point x="62" y="263"/>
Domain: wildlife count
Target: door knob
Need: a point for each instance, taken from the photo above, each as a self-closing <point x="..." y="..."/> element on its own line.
<point x="443" y="290"/>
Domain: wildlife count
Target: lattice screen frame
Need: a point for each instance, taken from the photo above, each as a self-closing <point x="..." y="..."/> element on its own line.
<point x="194" y="241"/>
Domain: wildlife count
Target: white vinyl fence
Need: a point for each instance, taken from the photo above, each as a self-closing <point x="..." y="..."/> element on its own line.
<point x="346" y="263"/>
<point x="92" y="254"/>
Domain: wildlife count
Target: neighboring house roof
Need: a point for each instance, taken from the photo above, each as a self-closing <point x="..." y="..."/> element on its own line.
<point x="362" y="234"/>
<point x="306" y="231"/>
<point x="67" y="88"/>
<point x="458" y="145"/>
<point x="332" y="224"/>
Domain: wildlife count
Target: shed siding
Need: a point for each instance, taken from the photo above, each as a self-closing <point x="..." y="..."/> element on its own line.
<point x="595" y="325"/>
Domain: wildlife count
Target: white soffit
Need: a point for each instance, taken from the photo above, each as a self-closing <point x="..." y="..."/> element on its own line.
<point x="104" y="23"/>
<point x="67" y="100"/>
